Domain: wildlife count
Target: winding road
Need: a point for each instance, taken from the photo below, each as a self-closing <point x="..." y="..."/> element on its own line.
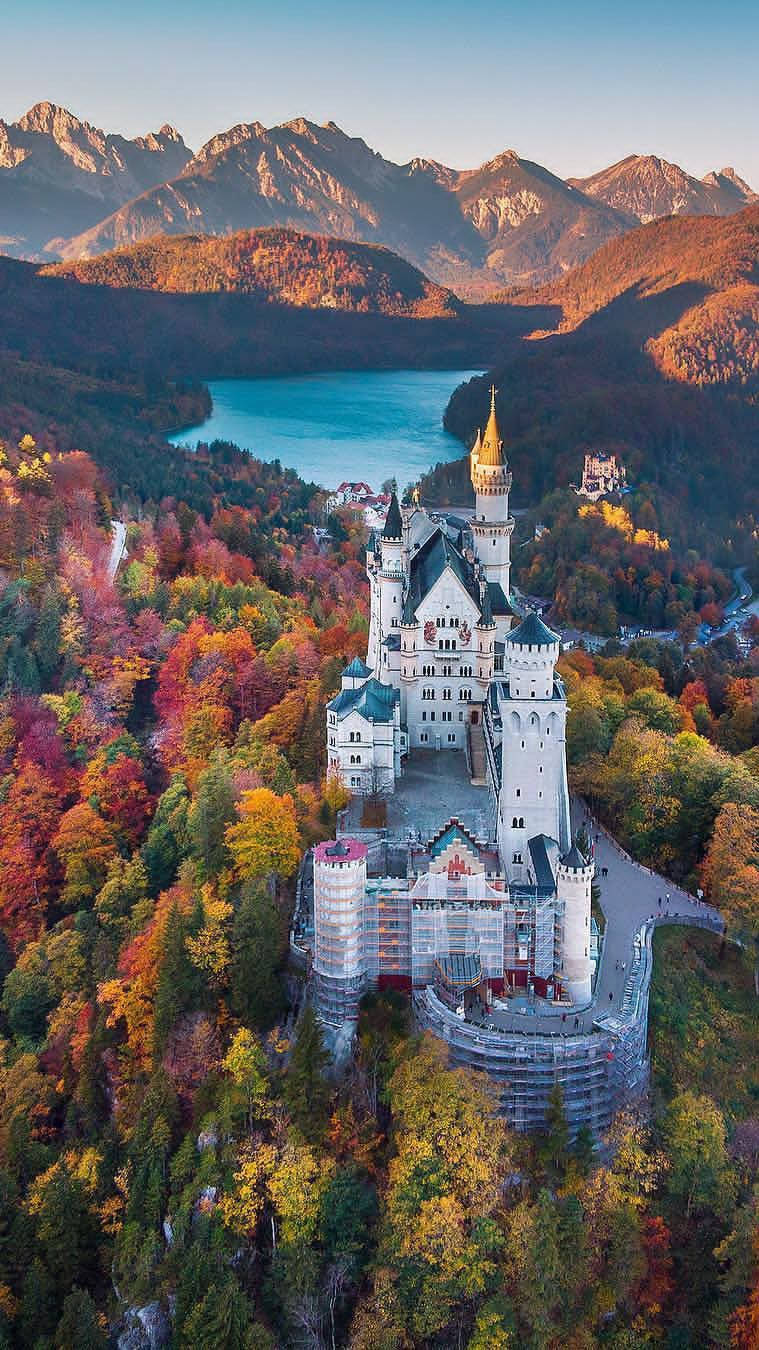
<point x="118" y="547"/>
<point x="630" y="895"/>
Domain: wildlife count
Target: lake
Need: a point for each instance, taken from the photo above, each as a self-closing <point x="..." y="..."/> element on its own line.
<point x="370" y="425"/>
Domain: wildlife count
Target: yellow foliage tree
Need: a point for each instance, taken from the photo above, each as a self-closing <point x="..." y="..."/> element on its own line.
<point x="265" y="839"/>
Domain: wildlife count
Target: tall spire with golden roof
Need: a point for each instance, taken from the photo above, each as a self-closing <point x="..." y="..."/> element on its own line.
<point x="491" y="451"/>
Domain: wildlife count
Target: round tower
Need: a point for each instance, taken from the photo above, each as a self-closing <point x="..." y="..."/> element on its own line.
<point x="339" y="957"/>
<point x="491" y="524"/>
<point x="574" y="876"/>
<point x="391" y="579"/>
<point x="534" y="796"/>
<point x="529" y="659"/>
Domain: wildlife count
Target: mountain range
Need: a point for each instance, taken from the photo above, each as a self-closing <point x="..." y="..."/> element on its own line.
<point x="68" y="190"/>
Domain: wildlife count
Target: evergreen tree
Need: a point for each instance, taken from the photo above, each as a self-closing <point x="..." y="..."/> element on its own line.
<point x="79" y="1328"/>
<point x="167" y="842"/>
<point x="306" y="1089"/>
<point x="221" y="1318"/>
<point x="212" y="811"/>
<point x="257" y="996"/>
<point x="176" y="982"/>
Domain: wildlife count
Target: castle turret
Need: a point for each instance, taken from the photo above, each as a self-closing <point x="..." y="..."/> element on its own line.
<point x="574" y="876"/>
<point x="534" y="798"/>
<point x="491" y="524"/>
<point x="388" y="606"/>
<point x="339" y="958"/>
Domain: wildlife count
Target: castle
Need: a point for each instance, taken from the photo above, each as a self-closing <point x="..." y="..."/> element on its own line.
<point x="602" y="474"/>
<point x="447" y="667"/>
<point x="472" y="896"/>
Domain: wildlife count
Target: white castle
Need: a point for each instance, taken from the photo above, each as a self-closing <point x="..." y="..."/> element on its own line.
<point x="474" y="913"/>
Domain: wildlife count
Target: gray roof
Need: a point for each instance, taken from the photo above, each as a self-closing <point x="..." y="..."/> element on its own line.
<point x="394" y="521"/>
<point x="532" y="632"/>
<point x="574" y="858"/>
<point x="459" y="969"/>
<point x="428" y="564"/>
<point x="373" y="701"/>
<point x="540" y="861"/>
<point x="498" y="602"/>
<point x="357" y="669"/>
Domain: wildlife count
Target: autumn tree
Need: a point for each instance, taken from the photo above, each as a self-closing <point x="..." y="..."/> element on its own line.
<point x="264" y="841"/>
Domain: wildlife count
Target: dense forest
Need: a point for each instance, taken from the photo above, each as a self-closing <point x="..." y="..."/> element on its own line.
<point x="176" y="1160"/>
<point x="612" y="563"/>
<point x="652" y="354"/>
<point x="282" y="266"/>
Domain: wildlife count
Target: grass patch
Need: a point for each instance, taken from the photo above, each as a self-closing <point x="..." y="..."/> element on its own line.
<point x="704" y="1022"/>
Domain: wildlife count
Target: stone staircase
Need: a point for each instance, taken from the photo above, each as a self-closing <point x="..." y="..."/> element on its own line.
<point x="477" y="760"/>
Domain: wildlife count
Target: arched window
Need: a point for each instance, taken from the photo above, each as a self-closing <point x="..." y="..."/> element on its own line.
<point x="521" y="822"/>
<point x="514" y="823"/>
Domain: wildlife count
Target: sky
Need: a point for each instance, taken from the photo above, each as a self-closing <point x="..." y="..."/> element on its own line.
<point x="574" y="86"/>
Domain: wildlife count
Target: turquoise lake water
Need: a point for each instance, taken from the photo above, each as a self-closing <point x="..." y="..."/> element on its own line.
<point x="369" y="425"/>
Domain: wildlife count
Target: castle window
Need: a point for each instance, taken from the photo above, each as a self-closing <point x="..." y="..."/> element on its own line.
<point x="521" y="822"/>
<point x="453" y="645"/>
<point x="424" y="714"/>
<point x="516" y="857"/>
<point x="455" y="622"/>
<point x="540" y="770"/>
<point x="514" y="823"/>
<point x="461" y="716"/>
<point x="423" y="736"/>
<point x="440" y="644"/>
<point x="432" y="715"/>
<point x="548" y="731"/>
<point x="518" y="792"/>
<point x="523" y="745"/>
<point x="446" y="695"/>
<point x="452" y="737"/>
<point x="541" y="746"/>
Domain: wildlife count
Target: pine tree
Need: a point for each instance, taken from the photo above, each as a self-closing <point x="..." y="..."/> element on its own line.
<point x="306" y="1088"/>
<point x="79" y="1328"/>
<point x="176" y="982"/>
<point x="257" y="996"/>
<point x="210" y="814"/>
<point x="222" y="1318"/>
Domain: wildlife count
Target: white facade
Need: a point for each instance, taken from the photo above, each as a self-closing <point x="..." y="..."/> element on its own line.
<point x="534" y="797"/>
<point x="442" y="657"/>
<point x="365" y="741"/>
<point x="574" y="876"/>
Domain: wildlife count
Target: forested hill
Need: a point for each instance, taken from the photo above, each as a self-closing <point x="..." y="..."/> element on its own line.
<point x="275" y="265"/>
<point x="655" y="354"/>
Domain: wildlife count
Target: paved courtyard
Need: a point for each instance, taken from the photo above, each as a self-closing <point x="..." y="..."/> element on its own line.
<point x="435" y="786"/>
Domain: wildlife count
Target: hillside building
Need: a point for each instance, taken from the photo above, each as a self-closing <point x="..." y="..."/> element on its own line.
<point x="602" y="474"/>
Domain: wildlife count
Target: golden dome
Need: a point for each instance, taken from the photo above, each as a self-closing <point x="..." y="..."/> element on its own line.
<point x="492" y="445"/>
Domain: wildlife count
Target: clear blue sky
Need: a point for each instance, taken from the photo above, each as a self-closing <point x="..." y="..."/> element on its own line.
<point x="574" y="86"/>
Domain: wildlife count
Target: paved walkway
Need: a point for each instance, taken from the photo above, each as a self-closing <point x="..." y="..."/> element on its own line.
<point x="629" y="896"/>
<point x="118" y="547"/>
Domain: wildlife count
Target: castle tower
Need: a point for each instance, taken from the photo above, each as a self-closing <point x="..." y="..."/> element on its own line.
<point x="574" y="876"/>
<point x="534" y="797"/>
<point x="492" y="525"/>
<point x="339" y="957"/>
<point x="387" y="598"/>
